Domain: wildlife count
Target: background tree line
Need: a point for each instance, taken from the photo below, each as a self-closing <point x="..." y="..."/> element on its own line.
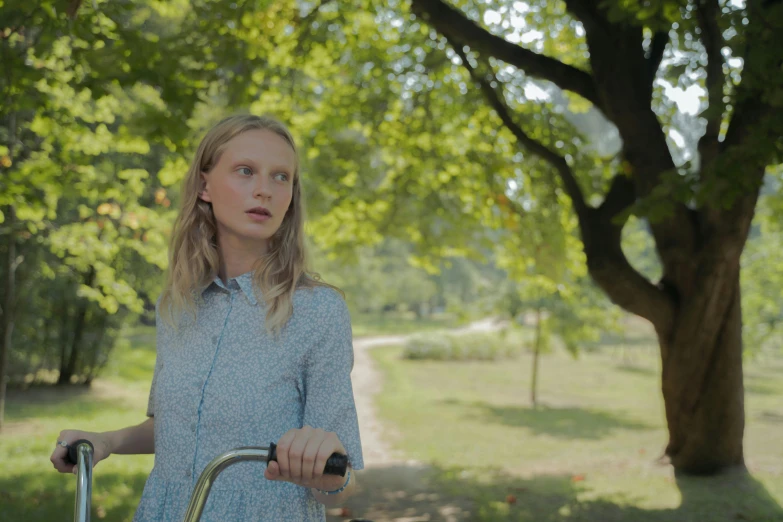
<point x="499" y="134"/>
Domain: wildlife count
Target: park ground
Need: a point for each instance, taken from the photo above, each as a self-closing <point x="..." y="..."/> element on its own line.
<point x="448" y="441"/>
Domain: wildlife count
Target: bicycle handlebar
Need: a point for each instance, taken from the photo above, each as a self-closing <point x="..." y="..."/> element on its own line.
<point x="337" y="464"/>
<point x="80" y="453"/>
<point x="72" y="457"/>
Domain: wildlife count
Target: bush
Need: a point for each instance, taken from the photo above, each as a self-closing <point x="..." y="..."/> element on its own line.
<point x="476" y="346"/>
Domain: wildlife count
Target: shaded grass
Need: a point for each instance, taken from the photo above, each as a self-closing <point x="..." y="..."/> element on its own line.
<point x="37" y="496"/>
<point x="30" y="488"/>
<point x="570" y="423"/>
<point x="559" y="497"/>
<point x="588" y="452"/>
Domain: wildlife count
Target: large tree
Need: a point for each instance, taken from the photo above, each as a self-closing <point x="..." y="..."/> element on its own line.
<point x="610" y="54"/>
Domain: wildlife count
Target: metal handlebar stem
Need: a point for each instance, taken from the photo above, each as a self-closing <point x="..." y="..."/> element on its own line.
<point x="84" y="454"/>
<point x="213" y="469"/>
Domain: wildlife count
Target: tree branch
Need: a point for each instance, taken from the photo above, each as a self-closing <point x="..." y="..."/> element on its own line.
<point x="753" y="118"/>
<point x="307" y="19"/>
<point x="458" y="28"/>
<point x="304" y="25"/>
<point x="601" y="237"/>
<point x="621" y="70"/>
<point x="707" y="12"/>
<point x="756" y="126"/>
<point x="539" y="149"/>
<point x="657" y="47"/>
<point x="624" y="285"/>
<point x="612" y="271"/>
<point x="621" y="195"/>
<point x="73" y="8"/>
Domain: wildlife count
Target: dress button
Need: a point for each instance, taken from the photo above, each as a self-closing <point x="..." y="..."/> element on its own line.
<point x="214" y="338"/>
<point x="188" y="473"/>
<point x="193" y="427"/>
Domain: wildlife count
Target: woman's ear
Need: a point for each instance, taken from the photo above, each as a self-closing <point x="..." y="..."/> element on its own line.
<point x="204" y="192"/>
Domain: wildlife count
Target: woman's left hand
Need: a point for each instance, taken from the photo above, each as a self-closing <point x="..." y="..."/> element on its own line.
<point x="301" y="458"/>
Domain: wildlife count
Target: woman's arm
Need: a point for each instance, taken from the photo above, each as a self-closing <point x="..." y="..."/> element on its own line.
<point x="133" y="440"/>
<point x="128" y="441"/>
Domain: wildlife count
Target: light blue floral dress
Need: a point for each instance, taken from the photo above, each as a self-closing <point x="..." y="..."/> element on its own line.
<point x="222" y="382"/>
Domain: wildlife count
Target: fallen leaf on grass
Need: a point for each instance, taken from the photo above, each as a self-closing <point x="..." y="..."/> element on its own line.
<point x="339" y="512"/>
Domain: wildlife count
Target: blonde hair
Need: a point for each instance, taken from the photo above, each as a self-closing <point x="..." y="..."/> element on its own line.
<point x="193" y="253"/>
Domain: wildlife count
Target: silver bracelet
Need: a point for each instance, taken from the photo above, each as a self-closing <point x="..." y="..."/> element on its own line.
<point x="336" y="491"/>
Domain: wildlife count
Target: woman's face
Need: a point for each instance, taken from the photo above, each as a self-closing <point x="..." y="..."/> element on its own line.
<point x="256" y="170"/>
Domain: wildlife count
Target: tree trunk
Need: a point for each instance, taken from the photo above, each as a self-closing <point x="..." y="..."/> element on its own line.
<point x="536" y="352"/>
<point x="695" y="308"/>
<point x="80" y="320"/>
<point x="94" y="365"/>
<point x="64" y="335"/>
<point x="703" y="389"/>
<point x="8" y="308"/>
<point x="10" y="298"/>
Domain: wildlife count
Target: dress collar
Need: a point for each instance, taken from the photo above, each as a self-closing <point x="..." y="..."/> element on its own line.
<point x="245" y="283"/>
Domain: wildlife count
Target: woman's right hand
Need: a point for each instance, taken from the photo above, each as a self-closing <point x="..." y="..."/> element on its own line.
<point x="100" y="442"/>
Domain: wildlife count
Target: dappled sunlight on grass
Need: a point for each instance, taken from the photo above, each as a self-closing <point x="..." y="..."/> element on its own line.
<point x="560" y="497"/>
<point x="471" y="492"/>
<point x="588" y="452"/>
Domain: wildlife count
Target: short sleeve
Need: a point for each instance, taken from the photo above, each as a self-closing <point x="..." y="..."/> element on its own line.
<point x="329" y="400"/>
<point x="158" y="361"/>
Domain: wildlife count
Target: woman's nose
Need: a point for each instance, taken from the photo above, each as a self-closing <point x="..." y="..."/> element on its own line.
<point x="262" y="187"/>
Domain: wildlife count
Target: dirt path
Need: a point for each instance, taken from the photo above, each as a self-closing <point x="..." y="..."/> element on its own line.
<point x="392" y="487"/>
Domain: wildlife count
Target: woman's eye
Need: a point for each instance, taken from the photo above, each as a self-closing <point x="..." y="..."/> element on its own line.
<point x="247" y="170"/>
<point x="283" y="175"/>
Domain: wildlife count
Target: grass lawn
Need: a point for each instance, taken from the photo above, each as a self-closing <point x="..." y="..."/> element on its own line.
<point x="588" y="452"/>
<point x="30" y="488"/>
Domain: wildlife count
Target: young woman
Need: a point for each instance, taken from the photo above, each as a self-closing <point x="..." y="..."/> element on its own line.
<point x="252" y="348"/>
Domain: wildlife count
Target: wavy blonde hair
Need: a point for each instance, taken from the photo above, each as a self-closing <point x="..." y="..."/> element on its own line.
<point x="193" y="252"/>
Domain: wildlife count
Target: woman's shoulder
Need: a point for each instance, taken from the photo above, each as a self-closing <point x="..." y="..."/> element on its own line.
<point x="321" y="311"/>
<point x="317" y="298"/>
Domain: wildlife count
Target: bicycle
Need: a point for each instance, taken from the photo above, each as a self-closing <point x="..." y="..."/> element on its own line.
<point x="81" y="451"/>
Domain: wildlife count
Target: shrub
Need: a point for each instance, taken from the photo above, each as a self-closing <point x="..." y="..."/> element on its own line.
<point x="475" y="346"/>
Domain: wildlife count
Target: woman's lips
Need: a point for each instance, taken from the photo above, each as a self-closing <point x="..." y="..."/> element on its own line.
<point x="258" y="217"/>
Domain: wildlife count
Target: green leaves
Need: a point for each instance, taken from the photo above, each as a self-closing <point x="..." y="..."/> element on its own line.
<point x="84" y="115"/>
<point x="762" y="276"/>
<point x="110" y="103"/>
<point x="651" y="13"/>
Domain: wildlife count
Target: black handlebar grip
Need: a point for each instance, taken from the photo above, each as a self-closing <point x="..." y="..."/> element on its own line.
<point x="337" y="464"/>
<point x="71" y="456"/>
